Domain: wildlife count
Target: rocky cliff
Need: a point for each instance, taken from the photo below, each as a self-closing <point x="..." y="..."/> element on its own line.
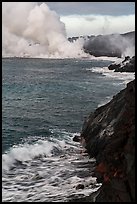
<point x="108" y="134"/>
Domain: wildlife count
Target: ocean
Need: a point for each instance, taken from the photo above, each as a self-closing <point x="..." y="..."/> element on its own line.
<point x="44" y="105"/>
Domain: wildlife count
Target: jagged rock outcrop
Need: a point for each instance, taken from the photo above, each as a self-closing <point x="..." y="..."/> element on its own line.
<point x="127" y="65"/>
<point x="108" y="134"/>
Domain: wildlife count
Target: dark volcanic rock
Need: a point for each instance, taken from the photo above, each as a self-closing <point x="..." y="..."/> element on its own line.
<point x="113" y="66"/>
<point x="76" y="138"/>
<point x="109" y="135"/>
<point x="127" y="65"/>
<point x="80" y="186"/>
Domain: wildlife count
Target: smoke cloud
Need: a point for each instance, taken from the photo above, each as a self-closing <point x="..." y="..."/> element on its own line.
<point x="33" y="30"/>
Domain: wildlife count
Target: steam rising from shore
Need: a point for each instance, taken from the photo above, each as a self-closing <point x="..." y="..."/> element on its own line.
<point x="32" y="30"/>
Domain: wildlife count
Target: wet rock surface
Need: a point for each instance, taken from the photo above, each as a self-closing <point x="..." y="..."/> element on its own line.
<point x="108" y="135"/>
<point x="127" y="65"/>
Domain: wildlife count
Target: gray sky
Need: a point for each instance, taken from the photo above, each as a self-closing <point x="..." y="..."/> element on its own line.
<point x="84" y="8"/>
<point x="87" y="18"/>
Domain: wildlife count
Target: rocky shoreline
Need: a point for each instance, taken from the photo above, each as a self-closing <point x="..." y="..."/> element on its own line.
<point x="127" y="65"/>
<point x="108" y="135"/>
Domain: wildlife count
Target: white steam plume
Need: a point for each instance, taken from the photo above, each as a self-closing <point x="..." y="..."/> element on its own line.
<point x="125" y="45"/>
<point x="33" y="30"/>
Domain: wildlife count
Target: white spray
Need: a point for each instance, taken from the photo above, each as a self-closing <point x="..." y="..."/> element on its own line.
<point x="33" y="30"/>
<point x="125" y="45"/>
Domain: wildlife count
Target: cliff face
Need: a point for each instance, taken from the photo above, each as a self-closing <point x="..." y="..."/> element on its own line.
<point x="108" y="134"/>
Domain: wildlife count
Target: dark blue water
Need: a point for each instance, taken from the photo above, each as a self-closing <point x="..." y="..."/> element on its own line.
<point x="44" y="102"/>
<point x="42" y="94"/>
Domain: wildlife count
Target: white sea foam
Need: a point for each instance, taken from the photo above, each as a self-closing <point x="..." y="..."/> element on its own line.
<point x="42" y="175"/>
<point x="106" y="100"/>
<point x="124" y="76"/>
<point x="28" y="152"/>
<point x="113" y="59"/>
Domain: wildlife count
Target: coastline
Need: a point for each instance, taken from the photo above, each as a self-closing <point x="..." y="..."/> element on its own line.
<point x="108" y="135"/>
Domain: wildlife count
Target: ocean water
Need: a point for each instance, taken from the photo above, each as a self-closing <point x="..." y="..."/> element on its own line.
<point x="44" y="104"/>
